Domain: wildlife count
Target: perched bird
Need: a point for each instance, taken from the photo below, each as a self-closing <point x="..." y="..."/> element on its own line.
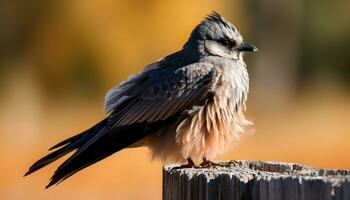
<point x="186" y="106"/>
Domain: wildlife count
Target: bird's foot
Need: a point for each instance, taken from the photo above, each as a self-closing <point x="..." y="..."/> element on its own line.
<point x="210" y="164"/>
<point x="190" y="164"/>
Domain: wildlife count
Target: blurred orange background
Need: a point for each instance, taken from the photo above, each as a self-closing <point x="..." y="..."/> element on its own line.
<point x="59" y="58"/>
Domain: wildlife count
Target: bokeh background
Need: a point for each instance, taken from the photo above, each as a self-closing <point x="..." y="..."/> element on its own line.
<point x="58" y="59"/>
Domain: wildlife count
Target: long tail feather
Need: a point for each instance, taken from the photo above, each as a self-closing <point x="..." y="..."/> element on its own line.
<point x="93" y="145"/>
<point x="67" y="146"/>
<point x="102" y="147"/>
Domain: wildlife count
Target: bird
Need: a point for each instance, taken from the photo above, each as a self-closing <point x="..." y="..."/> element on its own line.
<point x="185" y="107"/>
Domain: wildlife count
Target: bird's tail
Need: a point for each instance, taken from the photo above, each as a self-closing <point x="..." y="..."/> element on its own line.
<point x="91" y="146"/>
<point x="66" y="146"/>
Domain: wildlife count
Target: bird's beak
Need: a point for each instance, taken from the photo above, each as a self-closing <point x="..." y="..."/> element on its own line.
<point x="247" y="47"/>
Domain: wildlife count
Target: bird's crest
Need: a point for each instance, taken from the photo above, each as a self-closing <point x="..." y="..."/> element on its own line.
<point x="216" y="17"/>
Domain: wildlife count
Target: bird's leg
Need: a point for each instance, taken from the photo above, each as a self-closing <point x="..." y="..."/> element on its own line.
<point x="189" y="164"/>
<point x="205" y="163"/>
<point x="208" y="163"/>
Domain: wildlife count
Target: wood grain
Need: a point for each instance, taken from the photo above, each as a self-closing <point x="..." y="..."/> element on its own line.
<point x="255" y="180"/>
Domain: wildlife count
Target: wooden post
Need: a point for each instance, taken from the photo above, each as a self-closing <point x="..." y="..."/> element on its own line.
<point x="255" y="180"/>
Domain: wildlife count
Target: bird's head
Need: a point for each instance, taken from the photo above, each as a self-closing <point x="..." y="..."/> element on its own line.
<point x="218" y="37"/>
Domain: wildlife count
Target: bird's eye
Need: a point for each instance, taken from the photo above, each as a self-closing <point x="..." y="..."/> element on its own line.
<point x="227" y="43"/>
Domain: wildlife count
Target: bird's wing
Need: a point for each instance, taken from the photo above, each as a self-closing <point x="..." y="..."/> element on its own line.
<point x="154" y="95"/>
<point x="165" y="92"/>
<point x="126" y="89"/>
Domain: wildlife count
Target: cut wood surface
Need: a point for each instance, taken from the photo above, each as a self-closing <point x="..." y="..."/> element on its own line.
<point x="255" y="180"/>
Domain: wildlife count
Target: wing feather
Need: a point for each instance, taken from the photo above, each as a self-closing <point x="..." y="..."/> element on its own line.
<point x="166" y="91"/>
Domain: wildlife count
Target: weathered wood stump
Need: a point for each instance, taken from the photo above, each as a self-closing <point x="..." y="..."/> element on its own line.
<point x="255" y="180"/>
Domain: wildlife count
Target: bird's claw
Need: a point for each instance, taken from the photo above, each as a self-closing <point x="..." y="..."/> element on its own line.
<point x="210" y="164"/>
<point x="190" y="164"/>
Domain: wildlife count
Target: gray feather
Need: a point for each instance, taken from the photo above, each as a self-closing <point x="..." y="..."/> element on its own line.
<point x="159" y="93"/>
